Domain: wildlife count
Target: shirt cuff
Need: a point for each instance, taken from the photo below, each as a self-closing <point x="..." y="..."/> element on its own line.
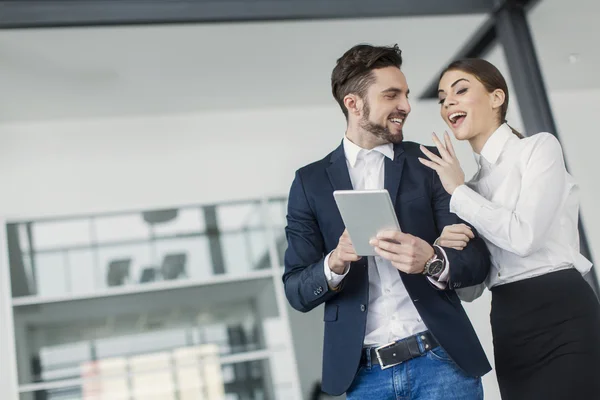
<point x="441" y="280"/>
<point x="465" y="203"/>
<point x="334" y="279"/>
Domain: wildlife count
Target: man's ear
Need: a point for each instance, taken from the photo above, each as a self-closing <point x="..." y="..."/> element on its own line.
<point x="354" y="104"/>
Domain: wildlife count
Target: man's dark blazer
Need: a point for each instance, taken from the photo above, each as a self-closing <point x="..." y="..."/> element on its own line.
<point x="314" y="227"/>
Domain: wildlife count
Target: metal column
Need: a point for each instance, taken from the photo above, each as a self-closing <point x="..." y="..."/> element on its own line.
<point x="214" y="239"/>
<point x="514" y="34"/>
<point x="513" y="31"/>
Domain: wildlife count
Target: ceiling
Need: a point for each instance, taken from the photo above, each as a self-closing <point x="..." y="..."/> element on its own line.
<point x="65" y="73"/>
<point x="561" y="29"/>
<point x="115" y="71"/>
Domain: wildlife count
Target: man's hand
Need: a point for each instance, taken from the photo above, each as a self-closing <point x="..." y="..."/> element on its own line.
<point x="456" y="236"/>
<point x="407" y="253"/>
<point x="343" y="254"/>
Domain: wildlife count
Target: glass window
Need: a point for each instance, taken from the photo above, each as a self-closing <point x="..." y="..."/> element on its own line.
<point x="277" y="211"/>
<point x="67" y="393"/>
<point x="277" y="217"/>
<point x="259" y="250"/>
<point x="135" y="344"/>
<point x="23" y="238"/>
<point x="61" y="273"/>
<point x="83" y="274"/>
<point x="235" y="217"/>
<point x="53" y="275"/>
<point x="187" y="220"/>
<point x="183" y="258"/>
<point x="123" y="265"/>
<point x="30" y="274"/>
<point x="62" y="361"/>
<point x="120" y="227"/>
<point x="161" y="376"/>
<point x="58" y="234"/>
<point x="245" y="251"/>
<point x="141" y="343"/>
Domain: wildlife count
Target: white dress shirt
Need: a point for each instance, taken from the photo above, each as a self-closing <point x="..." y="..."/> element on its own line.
<point x="525" y="205"/>
<point x="392" y="315"/>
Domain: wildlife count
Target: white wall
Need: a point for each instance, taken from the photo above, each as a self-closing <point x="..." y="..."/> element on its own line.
<point x="67" y="167"/>
<point x="71" y="167"/>
<point x="576" y="114"/>
<point x="114" y="164"/>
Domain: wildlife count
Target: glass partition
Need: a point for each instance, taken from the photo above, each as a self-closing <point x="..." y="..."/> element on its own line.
<point x="123" y="345"/>
<point x="93" y="254"/>
<point x="174" y="303"/>
<point x="277" y="215"/>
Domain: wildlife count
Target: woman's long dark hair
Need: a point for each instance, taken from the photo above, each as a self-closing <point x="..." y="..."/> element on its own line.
<point x="489" y="76"/>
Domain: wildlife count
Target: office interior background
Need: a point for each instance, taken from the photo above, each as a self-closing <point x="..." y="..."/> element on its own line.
<point x="145" y="167"/>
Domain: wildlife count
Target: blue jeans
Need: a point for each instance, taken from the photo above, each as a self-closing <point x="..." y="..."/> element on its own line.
<point x="433" y="376"/>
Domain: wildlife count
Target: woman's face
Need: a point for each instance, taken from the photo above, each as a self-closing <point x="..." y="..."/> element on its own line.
<point x="466" y="106"/>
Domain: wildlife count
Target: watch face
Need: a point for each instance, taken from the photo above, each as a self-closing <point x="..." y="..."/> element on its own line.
<point x="435" y="267"/>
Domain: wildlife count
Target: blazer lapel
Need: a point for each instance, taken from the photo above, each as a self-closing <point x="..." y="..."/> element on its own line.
<point x="393" y="172"/>
<point x="338" y="170"/>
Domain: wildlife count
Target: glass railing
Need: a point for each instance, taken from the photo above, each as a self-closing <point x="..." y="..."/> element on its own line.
<point x="95" y="253"/>
<point x="190" y="374"/>
<point x="238" y="321"/>
<point x="213" y="271"/>
<point x="277" y="216"/>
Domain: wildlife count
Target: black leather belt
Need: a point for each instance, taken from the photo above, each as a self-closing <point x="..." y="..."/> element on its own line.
<point x="398" y="352"/>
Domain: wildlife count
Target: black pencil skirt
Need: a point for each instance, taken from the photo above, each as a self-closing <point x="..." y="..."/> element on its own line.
<point x="546" y="334"/>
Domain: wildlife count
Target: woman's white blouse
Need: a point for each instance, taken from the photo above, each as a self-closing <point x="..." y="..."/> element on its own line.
<point x="525" y="205"/>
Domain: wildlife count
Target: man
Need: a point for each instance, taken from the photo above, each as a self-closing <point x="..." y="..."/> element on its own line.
<point x="394" y="327"/>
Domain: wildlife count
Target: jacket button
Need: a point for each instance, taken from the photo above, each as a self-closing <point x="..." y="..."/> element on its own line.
<point x="362" y="308"/>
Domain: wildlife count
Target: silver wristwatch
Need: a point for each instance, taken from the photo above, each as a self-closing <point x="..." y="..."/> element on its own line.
<point x="435" y="265"/>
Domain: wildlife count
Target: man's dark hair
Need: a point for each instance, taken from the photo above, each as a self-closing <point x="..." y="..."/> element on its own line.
<point x="353" y="72"/>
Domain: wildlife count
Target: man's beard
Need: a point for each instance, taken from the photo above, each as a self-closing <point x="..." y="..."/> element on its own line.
<point x="381" y="131"/>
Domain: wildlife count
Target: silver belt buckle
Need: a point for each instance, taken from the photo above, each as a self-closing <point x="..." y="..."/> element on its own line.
<point x="385" y="346"/>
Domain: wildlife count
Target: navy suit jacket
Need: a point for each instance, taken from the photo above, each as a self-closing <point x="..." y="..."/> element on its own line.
<point x="314" y="227"/>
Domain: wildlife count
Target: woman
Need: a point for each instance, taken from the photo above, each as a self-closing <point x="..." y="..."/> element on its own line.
<point x="545" y="318"/>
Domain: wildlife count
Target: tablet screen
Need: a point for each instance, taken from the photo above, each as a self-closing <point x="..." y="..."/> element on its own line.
<point x="366" y="213"/>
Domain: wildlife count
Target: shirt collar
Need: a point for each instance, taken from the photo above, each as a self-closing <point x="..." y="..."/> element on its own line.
<point x="495" y="144"/>
<point x="353" y="151"/>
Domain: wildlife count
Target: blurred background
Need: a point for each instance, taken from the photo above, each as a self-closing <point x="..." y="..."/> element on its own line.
<point x="146" y="152"/>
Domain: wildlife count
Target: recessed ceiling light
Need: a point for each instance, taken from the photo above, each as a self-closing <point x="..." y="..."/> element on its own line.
<point x="573" y="58"/>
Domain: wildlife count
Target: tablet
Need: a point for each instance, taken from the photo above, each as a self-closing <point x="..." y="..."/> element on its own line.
<point x="366" y="213"/>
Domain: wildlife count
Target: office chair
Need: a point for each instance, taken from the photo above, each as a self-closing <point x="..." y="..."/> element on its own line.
<point x="118" y="272"/>
<point x="173" y="266"/>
